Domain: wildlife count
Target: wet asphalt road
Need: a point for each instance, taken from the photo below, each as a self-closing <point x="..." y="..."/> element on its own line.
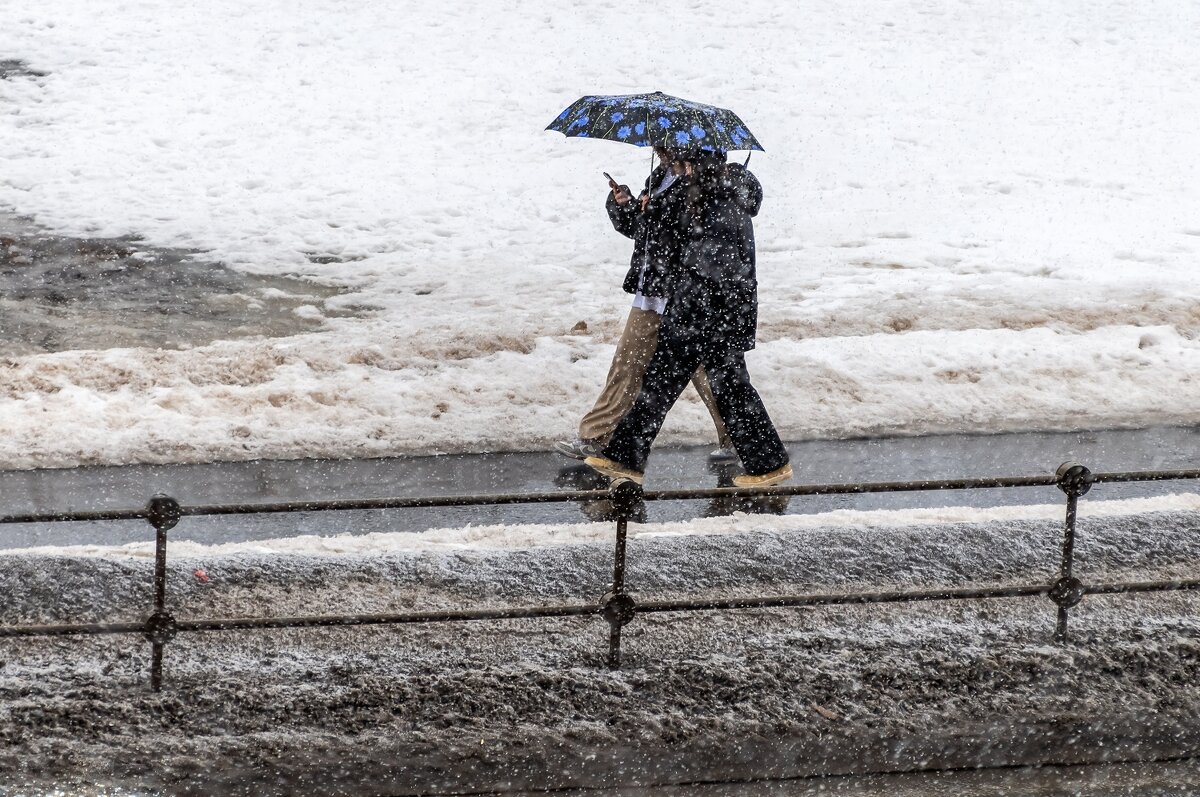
<point x="842" y="461"/>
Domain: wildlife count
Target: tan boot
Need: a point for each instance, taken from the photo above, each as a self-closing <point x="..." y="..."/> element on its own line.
<point x="765" y="480"/>
<point x="613" y="470"/>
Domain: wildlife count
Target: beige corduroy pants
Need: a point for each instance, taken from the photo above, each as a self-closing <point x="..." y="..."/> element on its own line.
<point x="624" y="382"/>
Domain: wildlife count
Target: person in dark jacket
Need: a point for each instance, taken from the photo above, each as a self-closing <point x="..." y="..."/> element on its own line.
<point x="710" y="321"/>
<point x="653" y="221"/>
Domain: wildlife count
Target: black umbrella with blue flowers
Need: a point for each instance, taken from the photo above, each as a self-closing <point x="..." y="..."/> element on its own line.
<point x="655" y="120"/>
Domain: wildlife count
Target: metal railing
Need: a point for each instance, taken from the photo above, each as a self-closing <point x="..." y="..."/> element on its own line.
<point x="618" y="607"/>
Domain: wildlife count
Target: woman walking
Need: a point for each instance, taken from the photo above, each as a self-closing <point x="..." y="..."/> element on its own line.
<point x="653" y="222"/>
<point x="710" y="321"/>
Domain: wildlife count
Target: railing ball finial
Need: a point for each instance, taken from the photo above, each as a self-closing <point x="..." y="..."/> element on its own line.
<point x="163" y="512"/>
<point x="626" y="497"/>
<point x="1073" y="478"/>
<point x="1067" y="592"/>
<point x="618" y="609"/>
<point x="160" y="628"/>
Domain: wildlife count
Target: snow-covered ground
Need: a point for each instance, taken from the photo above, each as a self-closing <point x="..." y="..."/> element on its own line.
<point x="977" y="217"/>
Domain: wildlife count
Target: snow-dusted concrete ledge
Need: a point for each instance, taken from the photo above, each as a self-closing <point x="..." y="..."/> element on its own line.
<point x="524" y="704"/>
<point x="852" y="751"/>
<point x="371" y="765"/>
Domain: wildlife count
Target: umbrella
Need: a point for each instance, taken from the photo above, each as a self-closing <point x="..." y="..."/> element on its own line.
<point x="657" y="120"/>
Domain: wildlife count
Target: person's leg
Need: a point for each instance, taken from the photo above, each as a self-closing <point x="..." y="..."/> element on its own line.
<point x="754" y="435"/>
<point x="673" y="363"/>
<point x="700" y="382"/>
<point x="634" y="349"/>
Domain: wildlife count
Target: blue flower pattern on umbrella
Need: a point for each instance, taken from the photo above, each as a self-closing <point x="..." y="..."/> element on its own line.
<point x="654" y="120"/>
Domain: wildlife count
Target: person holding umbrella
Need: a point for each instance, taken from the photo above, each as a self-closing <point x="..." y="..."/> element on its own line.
<point x="712" y="311"/>
<point x="654" y="222"/>
<point x="710" y="321"/>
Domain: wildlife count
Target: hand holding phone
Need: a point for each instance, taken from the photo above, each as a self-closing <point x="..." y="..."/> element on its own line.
<point x="620" y="194"/>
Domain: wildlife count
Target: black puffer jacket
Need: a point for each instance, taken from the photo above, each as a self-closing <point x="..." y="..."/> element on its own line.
<point x="715" y="291"/>
<point x="656" y="232"/>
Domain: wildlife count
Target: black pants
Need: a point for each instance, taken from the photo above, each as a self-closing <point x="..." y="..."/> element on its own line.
<point x="680" y="351"/>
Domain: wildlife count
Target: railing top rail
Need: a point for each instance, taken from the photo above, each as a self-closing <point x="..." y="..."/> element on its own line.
<point x="62" y="517"/>
<point x="1047" y="480"/>
<point x="1145" y="476"/>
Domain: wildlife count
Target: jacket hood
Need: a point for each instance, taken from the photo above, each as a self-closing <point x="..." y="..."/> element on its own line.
<point x="746" y="189"/>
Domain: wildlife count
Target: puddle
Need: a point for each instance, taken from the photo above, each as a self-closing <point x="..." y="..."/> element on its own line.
<point x="59" y="293"/>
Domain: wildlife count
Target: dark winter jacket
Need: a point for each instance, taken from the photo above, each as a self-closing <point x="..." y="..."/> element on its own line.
<point x="715" y="292"/>
<point x="656" y="233"/>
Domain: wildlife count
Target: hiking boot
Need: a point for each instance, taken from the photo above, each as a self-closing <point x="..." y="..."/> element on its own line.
<point x="578" y="448"/>
<point x="613" y="470"/>
<point x="764" y="480"/>
<point x="577" y="476"/>
<point x="722" y="456"/>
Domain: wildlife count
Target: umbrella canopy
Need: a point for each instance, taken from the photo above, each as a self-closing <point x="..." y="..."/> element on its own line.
<point x="654" y="120"/>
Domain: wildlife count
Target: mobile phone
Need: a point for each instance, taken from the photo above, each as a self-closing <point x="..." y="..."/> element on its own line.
<point x="611" y="181"/>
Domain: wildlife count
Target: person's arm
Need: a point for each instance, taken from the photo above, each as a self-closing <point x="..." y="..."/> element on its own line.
<point x="664" y="242"/>
<point x="622" y="214"/>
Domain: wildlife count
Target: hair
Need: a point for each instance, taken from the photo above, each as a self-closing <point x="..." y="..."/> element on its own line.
<point x="668" y="155"/>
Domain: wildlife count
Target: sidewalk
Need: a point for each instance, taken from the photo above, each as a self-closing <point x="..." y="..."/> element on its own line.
<point x="822" y="461"/>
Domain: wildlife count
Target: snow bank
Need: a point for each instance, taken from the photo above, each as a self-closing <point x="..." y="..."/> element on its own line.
<point x="533" y="535"/>
<point x="976" y="218"/>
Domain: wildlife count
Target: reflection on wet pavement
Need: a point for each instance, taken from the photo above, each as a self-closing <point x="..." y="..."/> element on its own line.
<point x="576" y="476"/>
<point x="753" y="505"/>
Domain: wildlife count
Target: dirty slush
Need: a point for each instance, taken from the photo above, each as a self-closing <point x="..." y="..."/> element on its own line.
<point x="62" y="293"/>
<point x="519" y="703"/>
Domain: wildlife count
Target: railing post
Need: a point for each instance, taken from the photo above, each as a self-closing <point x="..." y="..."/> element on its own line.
<point x="163" y="512"/>
<point x="1074" y="480"/>
<point x="617" y="606"/>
